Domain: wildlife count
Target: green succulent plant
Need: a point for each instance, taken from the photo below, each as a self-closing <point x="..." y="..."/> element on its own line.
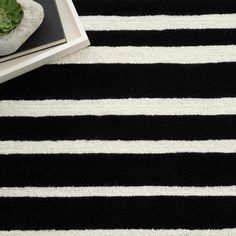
<point x="11" y="14"/>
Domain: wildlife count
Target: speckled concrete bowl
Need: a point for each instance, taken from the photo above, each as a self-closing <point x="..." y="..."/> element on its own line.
<point x="33" y="18"/>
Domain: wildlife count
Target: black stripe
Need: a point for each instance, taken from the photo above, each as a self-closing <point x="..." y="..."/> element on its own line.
<point x="154" y="7"/>
<point x="118" y="213"/>
<point x="163" y="38"/>
<point x="185" y="169"/>
<point x="123" y="81"/>
<point x="118" y="127"/>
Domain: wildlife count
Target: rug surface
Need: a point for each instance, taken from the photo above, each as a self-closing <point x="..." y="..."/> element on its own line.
<point x="135" y="135"/>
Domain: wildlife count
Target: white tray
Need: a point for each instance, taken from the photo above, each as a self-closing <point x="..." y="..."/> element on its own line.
<point x="76" y="40"/>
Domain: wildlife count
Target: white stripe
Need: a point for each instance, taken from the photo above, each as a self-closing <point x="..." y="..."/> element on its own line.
<point x="125" y="232"/>
<point x="150" y="55"/>
<point x="220" y="106"/>
<point x="161" y="22"/>
<point x="44" y="192"/>
<point x="96" y="146"/>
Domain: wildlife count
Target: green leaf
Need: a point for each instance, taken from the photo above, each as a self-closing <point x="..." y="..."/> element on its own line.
<point x="11" y="14"/>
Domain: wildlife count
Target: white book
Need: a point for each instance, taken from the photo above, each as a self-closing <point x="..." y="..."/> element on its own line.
<point x="75" y="39"/>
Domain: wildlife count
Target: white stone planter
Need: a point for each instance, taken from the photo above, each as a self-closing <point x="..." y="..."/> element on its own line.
<point x="33" y="17"/>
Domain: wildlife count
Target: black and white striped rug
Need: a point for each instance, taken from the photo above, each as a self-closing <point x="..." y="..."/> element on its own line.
<point x="135" y="135"/>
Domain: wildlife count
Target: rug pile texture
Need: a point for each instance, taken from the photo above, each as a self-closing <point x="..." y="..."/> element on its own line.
<point x="135" y="135"/>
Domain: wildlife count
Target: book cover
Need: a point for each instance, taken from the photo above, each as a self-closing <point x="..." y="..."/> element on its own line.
<point x="49" y="34"/>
